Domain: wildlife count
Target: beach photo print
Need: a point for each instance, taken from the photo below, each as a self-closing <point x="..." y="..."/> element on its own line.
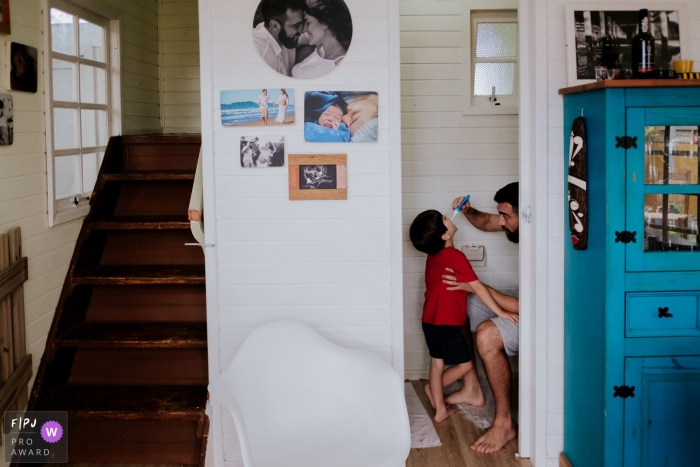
<point x="341" y="117"/>
<point x="262" y="151"/>
<point x="318" y="176"/>
<point x="257" y="107"/>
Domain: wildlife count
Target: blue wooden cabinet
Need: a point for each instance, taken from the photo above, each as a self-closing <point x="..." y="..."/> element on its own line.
<point x="632" y="301"/>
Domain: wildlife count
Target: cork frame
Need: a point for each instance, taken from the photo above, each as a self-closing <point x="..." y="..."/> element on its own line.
<point x="318" y="177"/>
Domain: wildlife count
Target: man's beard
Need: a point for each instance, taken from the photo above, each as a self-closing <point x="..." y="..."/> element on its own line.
<point x="513" y="236"/>
<point x="286" y="41"/>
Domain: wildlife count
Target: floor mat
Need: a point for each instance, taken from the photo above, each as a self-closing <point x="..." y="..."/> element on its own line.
<point x="423" y="434"/>
<point x="482" y="417"/>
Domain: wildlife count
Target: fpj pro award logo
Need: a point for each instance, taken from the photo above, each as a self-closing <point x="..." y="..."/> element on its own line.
<point x="36" y="437"/>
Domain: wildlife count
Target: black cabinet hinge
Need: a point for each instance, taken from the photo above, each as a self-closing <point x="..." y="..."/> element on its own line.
<point x="625" y="236"/>
<point x="624" y="391"/>
<point x="626" y="142"/>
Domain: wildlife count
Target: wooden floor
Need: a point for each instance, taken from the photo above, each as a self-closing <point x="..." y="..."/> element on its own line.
<point x="457" y="434"/>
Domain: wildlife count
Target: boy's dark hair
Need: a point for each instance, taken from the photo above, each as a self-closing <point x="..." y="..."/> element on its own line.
<point x="426" y="232"/>
<point x="277" y="10"/>
<point x="509" y="194"/>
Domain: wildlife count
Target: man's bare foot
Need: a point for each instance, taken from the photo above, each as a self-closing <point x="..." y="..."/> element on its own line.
<point x="442" y="416"/>
<point x="474" y="397"/>
<point x="494" y="439"/>
<point x="430" y="395"/>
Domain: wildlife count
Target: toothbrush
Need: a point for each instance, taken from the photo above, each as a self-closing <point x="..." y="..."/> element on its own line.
<point x="458" y="209"/>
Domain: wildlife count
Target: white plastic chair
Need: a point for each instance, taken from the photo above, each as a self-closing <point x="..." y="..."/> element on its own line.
<point x="298" y="400"/>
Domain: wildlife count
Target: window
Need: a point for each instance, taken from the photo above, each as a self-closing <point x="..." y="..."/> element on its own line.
<point x="490" y="61"/>
<point x="78" y="97"/>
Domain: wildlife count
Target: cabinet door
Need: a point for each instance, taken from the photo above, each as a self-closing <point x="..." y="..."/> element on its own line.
<point x="661" y="420"/>
<point x="663" y="189"/>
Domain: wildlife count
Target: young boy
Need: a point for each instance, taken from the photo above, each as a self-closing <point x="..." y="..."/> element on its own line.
<point x="444" y="311"/>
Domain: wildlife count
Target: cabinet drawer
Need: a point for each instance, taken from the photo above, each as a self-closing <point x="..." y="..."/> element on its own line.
<point x="662" y="315"/>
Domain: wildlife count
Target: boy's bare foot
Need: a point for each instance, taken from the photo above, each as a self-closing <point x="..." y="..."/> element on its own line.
<point x="442" y="416"/>
<point x="494" y="439"/>
<point x="473" y="397"/>
<point x="430" y="395"/>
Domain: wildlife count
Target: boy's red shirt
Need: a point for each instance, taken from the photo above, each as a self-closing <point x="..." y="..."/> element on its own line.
<point x="442" y="306"/>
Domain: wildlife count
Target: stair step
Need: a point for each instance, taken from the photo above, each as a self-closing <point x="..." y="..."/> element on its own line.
<point x="135" y="335"/>
<point x="142" y="175"/>
<point x="162" y="139"/>
<point x="140" y="274"/>
<point x="130" y="402"/>
<point x="164" y="222"/>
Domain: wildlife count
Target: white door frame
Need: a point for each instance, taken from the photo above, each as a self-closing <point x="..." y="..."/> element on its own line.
<point x="532" y="18"/>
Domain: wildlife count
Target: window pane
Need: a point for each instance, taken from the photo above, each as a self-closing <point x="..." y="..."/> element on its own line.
<point x="496" y="40"/>
<point x="500" y="75"/>
<point x="671" y="222"/>
<point x="94" y="127"/>
<point x="65" y="128"/>
<point x="91" y="41"/>
<point x="66" y="174"/>
<point x="92" y="85"/>
<point x="63" y="80"/>
<point x="62" y="39"/>
<point x="91" y="165"/>
<point x="671" y="155"/>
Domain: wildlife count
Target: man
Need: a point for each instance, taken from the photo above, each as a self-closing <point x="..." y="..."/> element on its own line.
<point x="496" y="338"/>
<point x="277" y="36"/>
<point x="263" y="100"/>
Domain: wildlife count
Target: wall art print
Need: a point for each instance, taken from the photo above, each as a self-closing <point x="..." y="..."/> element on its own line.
<point x="262" y="151"/>
<point x="318" y="176"/>
<point x="600" y="34"/>
<point x="577" y="189"/>
<point x="302" y="38"/>
<point x="5" y="17"/>
<point x="257" y="107"/>
<point x="20" y="67"/>
<point x="6" y="120"/>
<point x="341" y="117"/>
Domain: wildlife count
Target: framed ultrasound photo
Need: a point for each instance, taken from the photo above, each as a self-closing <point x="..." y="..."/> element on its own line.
<point x="318" y="176"/>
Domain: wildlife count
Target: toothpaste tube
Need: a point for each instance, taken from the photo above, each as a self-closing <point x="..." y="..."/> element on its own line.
<point x="458" y="209"/>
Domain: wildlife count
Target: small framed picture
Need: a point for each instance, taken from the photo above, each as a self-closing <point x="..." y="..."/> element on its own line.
<point x="262" y="151"/>
<point x="318" y="176"/>
<point x="6" y="130"/>
<point x="5" y="17"/>
<point x="20" y="67"/>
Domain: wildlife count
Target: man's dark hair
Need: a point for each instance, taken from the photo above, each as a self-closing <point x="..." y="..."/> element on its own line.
<point x="335" y="15"/>
<point x="264" y="90"/>
<point x="426" y="232"/>
<point x="277" y="10"/>
<point x="509" y="194"/>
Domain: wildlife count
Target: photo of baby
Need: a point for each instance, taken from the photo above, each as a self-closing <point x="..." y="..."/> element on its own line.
<point x="341" y="117"/>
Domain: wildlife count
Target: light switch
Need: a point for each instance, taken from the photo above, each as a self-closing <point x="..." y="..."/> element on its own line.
<point x="476" y="254"/>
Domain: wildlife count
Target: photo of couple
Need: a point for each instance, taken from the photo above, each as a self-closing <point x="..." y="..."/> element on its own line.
<point x="341" y="117"/>
<point x="302" y="38"/>
<point x="257" y="107"/>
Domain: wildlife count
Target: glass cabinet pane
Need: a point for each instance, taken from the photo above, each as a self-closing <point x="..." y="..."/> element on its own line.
<point x="671" y="222"/>
<point x="671" y="155"/>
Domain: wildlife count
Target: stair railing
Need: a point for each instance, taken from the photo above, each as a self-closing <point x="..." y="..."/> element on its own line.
<point x="197" y="204"/>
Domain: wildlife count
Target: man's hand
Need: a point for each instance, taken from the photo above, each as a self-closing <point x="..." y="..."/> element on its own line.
<point x="451" y="281"/>
<point x="456" y="202"/>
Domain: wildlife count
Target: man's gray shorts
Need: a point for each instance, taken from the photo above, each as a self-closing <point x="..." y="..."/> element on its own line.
<point x="478" y="313"/>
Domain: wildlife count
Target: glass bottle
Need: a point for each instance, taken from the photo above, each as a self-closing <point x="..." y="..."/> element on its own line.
<point x="643" y="49"/>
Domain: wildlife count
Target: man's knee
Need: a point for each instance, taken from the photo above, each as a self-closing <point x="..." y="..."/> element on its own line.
<point x="488" y="337"/>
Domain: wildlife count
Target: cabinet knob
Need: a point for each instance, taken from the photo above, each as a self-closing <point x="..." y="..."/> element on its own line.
<point x="663" y="312"/>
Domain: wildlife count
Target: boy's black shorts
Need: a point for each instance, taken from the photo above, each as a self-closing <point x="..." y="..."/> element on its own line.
<point x="447" y="343"/>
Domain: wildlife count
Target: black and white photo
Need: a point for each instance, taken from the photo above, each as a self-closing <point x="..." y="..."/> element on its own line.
<point x="602" y="37"/>
<point x="318" y="177"/>
<point x="6" y="130"/>
<point x="262" y="151"/>
<point x="302" y="38"/>
<point x="21" y="67"/>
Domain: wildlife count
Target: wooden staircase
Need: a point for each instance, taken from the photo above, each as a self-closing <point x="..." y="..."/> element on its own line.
<point x="126" y="355"/>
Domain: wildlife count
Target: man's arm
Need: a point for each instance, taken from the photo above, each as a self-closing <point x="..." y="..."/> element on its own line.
<point x="481" y="220"/>
<point x="508" y="303"/>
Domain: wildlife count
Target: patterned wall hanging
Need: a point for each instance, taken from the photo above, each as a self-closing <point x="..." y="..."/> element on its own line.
<point x="578" y="177"/>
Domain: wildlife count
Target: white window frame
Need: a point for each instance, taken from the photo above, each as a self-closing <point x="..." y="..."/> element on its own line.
<point x="61" y="211"/>
<point x="474" y="105"/>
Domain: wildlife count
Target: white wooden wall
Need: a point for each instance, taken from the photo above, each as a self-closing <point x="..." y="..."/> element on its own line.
<point x="179" y="45"/>
<point x="554" y="118"/>
<point x="334" y="265"/>
<point x="446" y="155"/>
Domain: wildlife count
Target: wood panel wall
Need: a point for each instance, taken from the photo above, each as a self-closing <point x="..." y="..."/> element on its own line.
<point x="445" y="155"/>
<point x="179" y="36"/>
